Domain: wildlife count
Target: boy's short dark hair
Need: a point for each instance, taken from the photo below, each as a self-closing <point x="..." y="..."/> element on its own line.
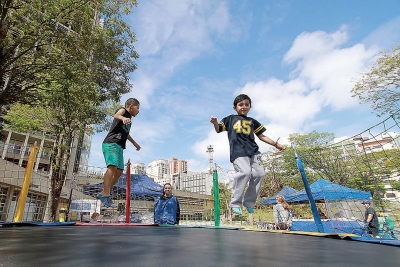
<point x="132" y="101"/>
<point x="241" y="97"/>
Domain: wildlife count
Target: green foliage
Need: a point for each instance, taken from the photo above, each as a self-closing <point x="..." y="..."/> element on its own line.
<point x="339" y="163"/>
<point x="41" y="39"/>
<point x="317" y="151"/>
<point x="57" y="57"/>
<point x="372" y="168"/>
<point x="107" y="112"/>
<point x="380" y="86"/>
<point x="26" y="119"/>
<point x="281" y="170"/>
<point x="396" y="185"/>
<point x="313" y="139"/>
<point x="224" y="198"/>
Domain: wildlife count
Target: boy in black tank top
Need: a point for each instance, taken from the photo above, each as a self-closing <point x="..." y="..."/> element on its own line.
<point x="244" y="153"/>
<point x="113" y="146"/>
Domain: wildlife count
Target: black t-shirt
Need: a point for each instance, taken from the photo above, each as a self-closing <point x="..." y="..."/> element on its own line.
<point x="119" y="131"/>
<point x="374" y="222"/>
<point x="241" y="131"/>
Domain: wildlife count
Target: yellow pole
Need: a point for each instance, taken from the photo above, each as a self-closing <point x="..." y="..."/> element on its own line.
<point x="25" y="186"/>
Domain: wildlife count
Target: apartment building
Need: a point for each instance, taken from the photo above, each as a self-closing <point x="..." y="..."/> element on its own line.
<point x="200" y="183"/>
<point x="383" y="142"/>
<point x="138" y="168"/>
<point x="177" y="165"/>
<point x="158" y="170"/>
<point x="15" y="151"/>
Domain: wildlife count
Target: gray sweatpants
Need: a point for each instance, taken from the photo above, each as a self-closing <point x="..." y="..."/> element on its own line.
<point x="248" y="170"/>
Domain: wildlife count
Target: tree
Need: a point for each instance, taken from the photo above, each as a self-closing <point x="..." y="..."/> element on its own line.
<point x="75" y="72"/>
<point x="396" y="185"/>
<point x="64" y="113"/>
<point x="224" y="199"/>
<point x="40" y="38"/>
<point x="26" y="119"/>
<point x="380" y="86"/>
<point x="342" y="163"/>
<point x="276" y="176"/>
<point x="321" y="157"/>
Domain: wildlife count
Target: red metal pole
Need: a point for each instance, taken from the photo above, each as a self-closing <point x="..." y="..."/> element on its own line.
<point x="128" y="193"/>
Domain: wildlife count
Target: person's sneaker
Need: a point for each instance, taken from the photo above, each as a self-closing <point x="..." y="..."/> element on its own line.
<point x="237" y="210"/>
<point x="250" y="210"/>
<point x="111" y="204"/>
<point x="106" y="200"/>
<point x="99" y="195"/>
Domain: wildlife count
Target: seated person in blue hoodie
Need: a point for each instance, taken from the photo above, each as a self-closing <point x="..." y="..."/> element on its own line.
<point x="166" y="208"/>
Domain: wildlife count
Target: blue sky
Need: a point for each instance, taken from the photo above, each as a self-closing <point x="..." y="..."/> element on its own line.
<point x="297" y="60"/>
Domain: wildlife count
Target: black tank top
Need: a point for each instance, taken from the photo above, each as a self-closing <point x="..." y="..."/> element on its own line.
<point x="119" y="131"/>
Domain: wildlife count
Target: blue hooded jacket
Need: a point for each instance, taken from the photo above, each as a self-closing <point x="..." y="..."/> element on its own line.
<point x="166" y="210"/>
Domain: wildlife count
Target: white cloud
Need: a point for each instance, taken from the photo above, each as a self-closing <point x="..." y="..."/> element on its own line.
<point x="197" y="165"/>
<point x="281" y="103"/>
<point x="179" y="31"/>
<point x="170" y="36"/>
<point x="218" y="141"/>
<point x="315" y="44"/>
<point x="322" y="78"/>
<point x="386" y="36"/>
<point x="328" y="68"/>
<point x="143" y="88"/>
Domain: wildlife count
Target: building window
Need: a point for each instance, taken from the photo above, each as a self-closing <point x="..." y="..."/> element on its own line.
<point x="3" y="197"/>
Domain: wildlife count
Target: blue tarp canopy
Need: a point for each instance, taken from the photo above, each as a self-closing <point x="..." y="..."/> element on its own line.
<point x="141" y="185"/>
<point x="287" y="190"/>
<point x="324" y="191"/>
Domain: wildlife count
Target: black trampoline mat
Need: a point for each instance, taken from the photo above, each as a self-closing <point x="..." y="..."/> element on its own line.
<point x="182" y="246"/>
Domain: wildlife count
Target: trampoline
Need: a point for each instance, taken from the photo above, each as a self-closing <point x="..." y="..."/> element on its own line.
<point x="182" y="246"/>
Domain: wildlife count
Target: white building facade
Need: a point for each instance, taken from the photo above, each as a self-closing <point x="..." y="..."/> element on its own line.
<point x="138" y="168"/>
<point x="200" y="183"/>
<point x="158" y="170"/>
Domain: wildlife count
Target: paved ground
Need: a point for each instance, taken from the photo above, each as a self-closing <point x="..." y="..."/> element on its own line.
<point x="182" y="246"/>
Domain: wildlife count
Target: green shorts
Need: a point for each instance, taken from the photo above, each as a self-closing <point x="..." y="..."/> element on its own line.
<point x="113" y="154"/>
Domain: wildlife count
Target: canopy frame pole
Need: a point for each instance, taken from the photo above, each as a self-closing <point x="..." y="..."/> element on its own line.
<point x="314" y="209"/>
<point x="128" y="193"/>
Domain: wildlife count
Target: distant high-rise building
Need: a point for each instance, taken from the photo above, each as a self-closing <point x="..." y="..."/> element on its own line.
<point x="177" y="166"/>
<point x="138" y="168"/>
<point x="158" y="170"/>
<point x="200" y="183"/>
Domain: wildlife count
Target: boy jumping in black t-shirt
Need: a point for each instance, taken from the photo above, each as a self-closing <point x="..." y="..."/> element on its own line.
<point x="113" y="146"/>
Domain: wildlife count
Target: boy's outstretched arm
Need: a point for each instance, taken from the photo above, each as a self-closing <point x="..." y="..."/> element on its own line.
<point x="268" y="140"/>
<point x="134" y="143"/>
<point x="214" y="121"/>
